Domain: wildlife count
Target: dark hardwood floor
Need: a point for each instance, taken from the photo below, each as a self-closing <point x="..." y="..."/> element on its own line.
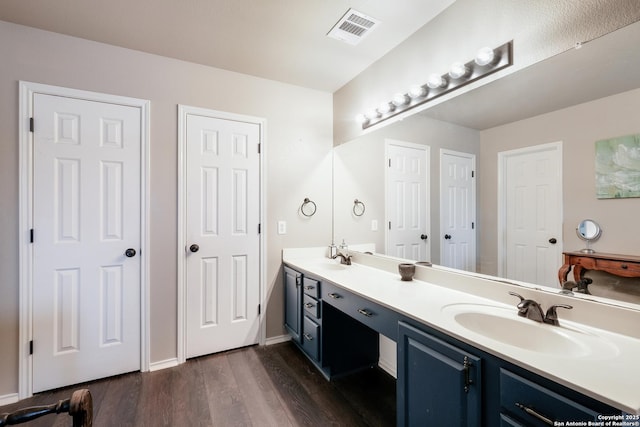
<point x="253" y="386"/>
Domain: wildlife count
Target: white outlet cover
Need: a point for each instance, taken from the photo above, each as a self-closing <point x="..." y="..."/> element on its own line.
<point x="374" y="225"/>
<point x="282" y="227"/>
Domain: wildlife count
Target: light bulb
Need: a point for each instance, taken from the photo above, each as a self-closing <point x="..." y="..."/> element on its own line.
<point x="372" y="114"/>
<point x="386" y="107"/>
<point x="458" y="70"/>
<point x="417" y="91"/>
<point x="485" y="56"/>
<point x="362" y="119"/>
<point x="435" y="81"/>
<point x="400" y="99"/>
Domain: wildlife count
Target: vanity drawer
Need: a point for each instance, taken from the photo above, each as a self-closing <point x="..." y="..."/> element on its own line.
<point x="311" y="287"/>
<point x="311" y="338"/>
<point x="619" y="268"/>
<point x="311" y="306"/>
<point x="532" y="404"/>
<point x="375" y="316"/>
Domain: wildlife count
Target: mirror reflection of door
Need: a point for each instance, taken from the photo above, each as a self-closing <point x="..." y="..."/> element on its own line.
<point x="530" y="214"/>
<point x="408" y="217"/>
<point x="457" y="210"/>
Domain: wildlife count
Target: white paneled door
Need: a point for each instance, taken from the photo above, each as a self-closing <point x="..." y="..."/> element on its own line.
<point x="457" y="210"/>
<point x="407" y="196"/>
<point x="532" y="197"/>
<point x="222" y="235"/>
<point x="86" y="240"/>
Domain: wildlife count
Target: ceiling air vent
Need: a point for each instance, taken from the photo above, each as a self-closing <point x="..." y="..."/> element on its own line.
<point x="353" y="27"/>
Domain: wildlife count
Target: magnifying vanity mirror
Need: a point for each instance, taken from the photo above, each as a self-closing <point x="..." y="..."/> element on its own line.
<point x="589" y="231"/>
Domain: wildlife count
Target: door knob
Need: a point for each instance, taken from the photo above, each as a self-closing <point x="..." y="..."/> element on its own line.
<point x="130" y="252"/>
<point x="424" y="236"/>
<point x="553" y="241"/>
<point x="447" y="236"/>
<point x="194" y="248"/>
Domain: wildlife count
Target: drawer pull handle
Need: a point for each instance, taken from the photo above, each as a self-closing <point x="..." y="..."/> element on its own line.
<point x="365" y="312"/>
<point x="532" y="412"/>
<point x="466" y="367"/>
<point x="624" y="266"/>
<point x="308" y="288"/>
<point x="308" y="305"/>
<point x="308" y="337"/>
<point x="334" y="295"/>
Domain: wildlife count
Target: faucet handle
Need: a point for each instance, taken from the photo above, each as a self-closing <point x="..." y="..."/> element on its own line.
<point x="517" y="295"/>
<point x="552" y="316"/>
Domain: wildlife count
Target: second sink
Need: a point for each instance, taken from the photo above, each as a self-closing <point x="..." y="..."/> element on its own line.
<point x="503" y="325"/>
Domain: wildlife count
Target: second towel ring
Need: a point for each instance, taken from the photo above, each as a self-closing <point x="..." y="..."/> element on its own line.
<point x="308" y="207"/>
<point x="358" y="207"/>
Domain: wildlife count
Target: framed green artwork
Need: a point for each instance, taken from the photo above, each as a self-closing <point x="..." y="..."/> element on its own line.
<point x="618" y="167"/>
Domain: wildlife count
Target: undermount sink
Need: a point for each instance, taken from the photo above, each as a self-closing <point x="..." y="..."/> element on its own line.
<point x="505" y="326"/>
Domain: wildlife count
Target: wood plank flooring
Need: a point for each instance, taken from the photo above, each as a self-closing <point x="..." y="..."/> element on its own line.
<point x="252" y="386"/>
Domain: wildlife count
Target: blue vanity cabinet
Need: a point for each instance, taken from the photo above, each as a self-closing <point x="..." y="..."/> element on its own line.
<point x="311" y="318"/>
<point x="443" y="381"/>
<point x="438" y="384"/>
<point x="293" y="303"/>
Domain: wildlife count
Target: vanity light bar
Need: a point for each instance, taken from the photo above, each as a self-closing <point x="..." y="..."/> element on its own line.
<point x="438" y="85"/>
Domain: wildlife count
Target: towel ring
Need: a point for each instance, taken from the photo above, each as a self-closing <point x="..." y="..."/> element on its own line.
<point x="308" y="207"/>
<point x="358" y="207"/>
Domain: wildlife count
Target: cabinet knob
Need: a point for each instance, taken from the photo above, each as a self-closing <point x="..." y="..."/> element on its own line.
<point x="624" y="266"/>
<point x="334" y="295"/>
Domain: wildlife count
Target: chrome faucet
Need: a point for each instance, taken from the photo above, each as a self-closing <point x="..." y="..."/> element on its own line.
<point x="532" y="310"/>
<point x="344" y="259"/>
<point x="582" y="285"/>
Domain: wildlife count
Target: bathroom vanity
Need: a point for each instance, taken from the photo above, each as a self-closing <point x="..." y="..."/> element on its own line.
<point x="464" y="356"/>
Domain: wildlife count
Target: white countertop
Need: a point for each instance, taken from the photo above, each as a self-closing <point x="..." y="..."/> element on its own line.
<point x="609" y="374"/>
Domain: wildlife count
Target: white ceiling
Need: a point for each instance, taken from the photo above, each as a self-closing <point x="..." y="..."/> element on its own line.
<point x="282" y="40"/>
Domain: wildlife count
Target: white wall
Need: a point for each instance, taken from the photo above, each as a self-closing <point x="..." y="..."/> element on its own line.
<point x="298" y="162"/>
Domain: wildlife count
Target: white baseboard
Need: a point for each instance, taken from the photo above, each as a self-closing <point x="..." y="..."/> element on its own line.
<point x="8" y="399"/>
<point x="277" y="340"/>
<point x="389" y="368"/>
<point x="163" y="364"/>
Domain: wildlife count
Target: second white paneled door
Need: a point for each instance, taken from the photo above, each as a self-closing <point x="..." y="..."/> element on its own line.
<point x="86" y="240"/>
<point x="457" y="210"/>
<point x="222" y="234"/>
<point x="408" y="219"/>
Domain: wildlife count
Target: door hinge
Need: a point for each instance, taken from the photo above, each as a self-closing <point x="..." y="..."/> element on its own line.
<point x="389" y="162"/>
<point x="258" y="309"/>
<point x="31" y="347"/>
<point x="31" y="124"/>
<point x="259" y="147"/>
<point x="259" y="228"/>
<point x="31" y="236"/>
<point x="389" y="225"/>
<point x="473" y="225"/>
<point x="473" y="174"/>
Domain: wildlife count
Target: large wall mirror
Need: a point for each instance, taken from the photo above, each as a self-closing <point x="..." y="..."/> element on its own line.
<point x="587" y="77"/>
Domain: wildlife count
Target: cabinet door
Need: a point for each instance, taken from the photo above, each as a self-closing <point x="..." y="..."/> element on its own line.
<point x="293" y="302"/>
<point x="438" y="384"/>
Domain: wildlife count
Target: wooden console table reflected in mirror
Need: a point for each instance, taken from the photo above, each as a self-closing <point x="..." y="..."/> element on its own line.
<point x="616" y="264"/>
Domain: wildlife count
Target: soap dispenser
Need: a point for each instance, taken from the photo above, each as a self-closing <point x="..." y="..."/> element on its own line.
<point x="344" y="249"/>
